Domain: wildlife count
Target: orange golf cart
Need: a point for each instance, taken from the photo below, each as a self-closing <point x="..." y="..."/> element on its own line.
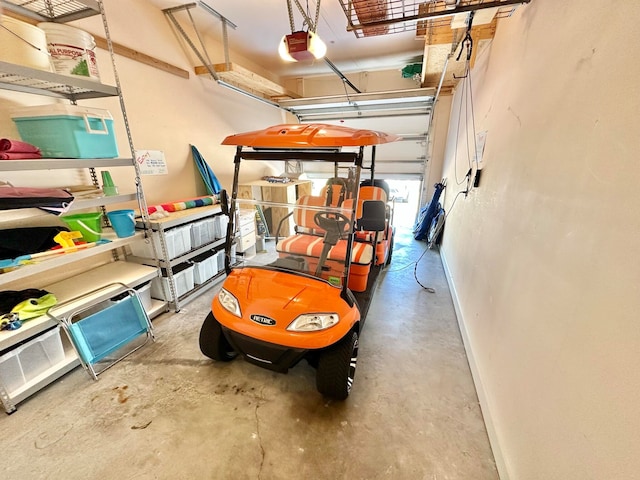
<point x="307" y="295"/>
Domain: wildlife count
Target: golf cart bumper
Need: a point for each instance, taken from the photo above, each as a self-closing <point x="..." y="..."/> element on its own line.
<point x="274" y="357"/>
<point x="270" y="301"/>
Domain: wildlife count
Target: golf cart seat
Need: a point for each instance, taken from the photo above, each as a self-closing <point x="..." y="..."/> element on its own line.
<point x="372" y="218"/>
<point x="308" y="242"/>
<point x="334" y="192"/>
<point x="303" y="217"/>
<point x="306" y="245"/>
<point x="377" y="183"/>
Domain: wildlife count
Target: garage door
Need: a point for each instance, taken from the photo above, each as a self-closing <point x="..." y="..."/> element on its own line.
<point x="405" y="113"/>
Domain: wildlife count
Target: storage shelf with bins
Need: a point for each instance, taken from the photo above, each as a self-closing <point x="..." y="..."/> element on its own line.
<point x="171" y="264"/>
<point x="18" y="78"/>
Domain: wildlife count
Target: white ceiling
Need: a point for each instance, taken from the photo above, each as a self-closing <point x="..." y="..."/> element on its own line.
<point x="262" y="23"/>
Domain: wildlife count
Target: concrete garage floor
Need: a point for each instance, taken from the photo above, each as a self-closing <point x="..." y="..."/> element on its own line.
<point x="167" y="412"/>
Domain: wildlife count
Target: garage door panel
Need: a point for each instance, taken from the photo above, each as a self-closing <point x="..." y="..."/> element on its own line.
<point x="406" y="157"/>
<point x="401" y="151"/>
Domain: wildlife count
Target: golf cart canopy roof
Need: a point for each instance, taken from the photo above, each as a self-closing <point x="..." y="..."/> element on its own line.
<point x="314" y="135"/>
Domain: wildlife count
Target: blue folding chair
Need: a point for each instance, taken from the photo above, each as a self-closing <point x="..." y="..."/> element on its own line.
<point x="102" y="328"/>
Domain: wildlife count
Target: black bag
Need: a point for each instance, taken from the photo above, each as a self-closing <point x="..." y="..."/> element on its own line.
<point x="15" y="242"/>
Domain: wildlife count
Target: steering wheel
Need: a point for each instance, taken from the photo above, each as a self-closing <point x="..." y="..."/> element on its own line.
<point x="333" y="222"/>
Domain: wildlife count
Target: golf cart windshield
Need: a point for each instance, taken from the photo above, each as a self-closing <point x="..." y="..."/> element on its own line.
<point x="298" y="228"/>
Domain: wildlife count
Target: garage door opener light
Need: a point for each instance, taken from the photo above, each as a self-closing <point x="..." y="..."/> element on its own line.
<point x="301" y="46"/>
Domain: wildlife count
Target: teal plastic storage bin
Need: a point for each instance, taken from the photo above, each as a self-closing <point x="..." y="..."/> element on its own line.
<point x="67" y="131"/>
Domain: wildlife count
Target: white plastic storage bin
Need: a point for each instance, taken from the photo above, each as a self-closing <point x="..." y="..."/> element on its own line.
<point x="26" y="362"/>
<point x="11" y="372"/>
<point x="203" y="232"/>
<point x="144" y="292"/>
<point x="221" y="222"/>
<point x="178" y="243"/>
<point x="183" y="278"/>
<point x="205" y="267"/>
<point x="220" y="256"/>
<point x="220" y="259"/>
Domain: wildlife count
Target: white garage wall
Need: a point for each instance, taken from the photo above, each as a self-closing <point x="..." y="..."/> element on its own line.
<point x="544" y="257"/>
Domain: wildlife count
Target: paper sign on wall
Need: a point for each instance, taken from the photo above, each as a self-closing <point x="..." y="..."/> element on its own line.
<point x="151" y="162"/>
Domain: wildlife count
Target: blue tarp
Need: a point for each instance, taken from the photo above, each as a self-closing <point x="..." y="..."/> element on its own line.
<point x="427" y="213"/>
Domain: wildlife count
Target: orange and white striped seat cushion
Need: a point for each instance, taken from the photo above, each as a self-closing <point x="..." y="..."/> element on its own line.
<point x="303" y="217"/>
<point x="311" y="246"/>
<point x="361" y="253"/>
<point x="372" y="193"/>
<point x="366" y="193"/>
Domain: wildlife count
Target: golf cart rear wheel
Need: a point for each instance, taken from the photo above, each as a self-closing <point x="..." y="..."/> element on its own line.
<point x="213" y="343"/>
<point x="337" y="368"/>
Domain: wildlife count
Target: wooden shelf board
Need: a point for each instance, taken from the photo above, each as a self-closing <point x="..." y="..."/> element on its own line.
<point x="248" y="80"/>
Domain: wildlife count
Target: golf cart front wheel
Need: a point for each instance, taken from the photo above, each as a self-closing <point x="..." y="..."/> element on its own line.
<point x="337" y="368"/>
<point x="213" y="343"/>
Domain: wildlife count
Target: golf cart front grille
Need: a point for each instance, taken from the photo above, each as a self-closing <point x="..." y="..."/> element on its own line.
<point x="267" y="355"/>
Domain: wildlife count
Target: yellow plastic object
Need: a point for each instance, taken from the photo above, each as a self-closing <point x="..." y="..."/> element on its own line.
<point x="65" y="239"/>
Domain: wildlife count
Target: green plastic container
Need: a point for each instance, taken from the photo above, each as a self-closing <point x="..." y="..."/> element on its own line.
<point x="88" y="224"/>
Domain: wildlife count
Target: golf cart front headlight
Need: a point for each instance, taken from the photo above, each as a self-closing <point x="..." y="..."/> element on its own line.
<point x="312" y="322"/>
<point x="229" y="302"/>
